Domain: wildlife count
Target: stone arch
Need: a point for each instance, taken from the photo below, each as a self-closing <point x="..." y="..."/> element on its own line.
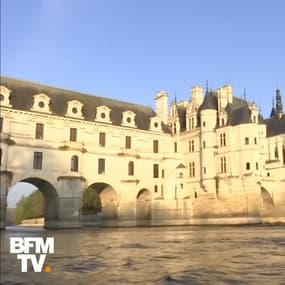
<point x="109" y="200"/>
<point x="266" y="197"/>
<point x="50" y="196"/>
<point x="143" y="205"/>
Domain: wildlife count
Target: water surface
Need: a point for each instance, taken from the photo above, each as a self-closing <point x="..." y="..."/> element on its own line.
<point x="160" y="255"/>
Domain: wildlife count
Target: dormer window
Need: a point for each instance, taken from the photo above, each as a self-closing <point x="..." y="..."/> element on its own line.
<point x="74" y="109"/>
<point x="223" y="119"/>
<point x="41" y="103"/>
<point x="103" y="114"/>
<point x="5" y="96"/>
<point x="128" y="119"/>
<point x="155" y="124"/>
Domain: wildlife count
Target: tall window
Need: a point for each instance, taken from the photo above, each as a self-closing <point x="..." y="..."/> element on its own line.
<point x="155" y="146"/>
<point x="175" y="147"/>
<point x="1" y="125"/>
<point x="73" y="135"/>
<point x="247" y="166"/>
<point x="283" y="154"/>
<point x="223" y="165"/>
<point x="191" y="146"/>
<point x="39" y="131"/>
<point x="38" y="160"/>
<point x="223" y="139"/>
<point x="102" y="139"/>
<point x="276" y="152"/>
<point x="192" y="169"/>
<point x="128" y="142"/>
<point x="155" y="171"/>
<point x="74" y="163"/>
<point x="101" y="166"/>
<point x="174" y="128"/>
<point x="246" y="140"/>
<point x="255" y="140"/>
<point x="191" y="123"/>
<point x="0" y="156"/>
<point x="204" y="144"/>
<point x="131" y="168"/>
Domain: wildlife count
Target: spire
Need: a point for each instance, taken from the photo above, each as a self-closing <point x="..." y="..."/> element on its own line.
<point x="207" y="86"/>
<point x="175" y="98"/>
<point x="273" y="110"/>
<point x="279" y="106"/>
<point x="244" y="94"/>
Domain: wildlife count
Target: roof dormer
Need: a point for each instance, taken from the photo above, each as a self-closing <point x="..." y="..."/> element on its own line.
<point x="74" y="109"/>
<point x="41" y="103"/>
<point x="128" y="119"/>
<point x="103" y="114"/>
<point x="5" y="96"/>
<point x="155" y="124"/>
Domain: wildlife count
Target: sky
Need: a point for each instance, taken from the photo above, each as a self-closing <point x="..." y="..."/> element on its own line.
<point x="130" y="50"/>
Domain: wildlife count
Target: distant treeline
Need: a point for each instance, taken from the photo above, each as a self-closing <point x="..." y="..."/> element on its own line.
<point x="33" y="206"/>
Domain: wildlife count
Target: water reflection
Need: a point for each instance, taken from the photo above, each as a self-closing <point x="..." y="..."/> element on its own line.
<point x="166" y="255"/>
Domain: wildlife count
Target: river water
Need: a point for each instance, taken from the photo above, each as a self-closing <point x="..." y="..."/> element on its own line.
<point x="159" y="255"/>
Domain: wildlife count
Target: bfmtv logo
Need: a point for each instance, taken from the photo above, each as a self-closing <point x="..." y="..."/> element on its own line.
<point x="22" y="246"/>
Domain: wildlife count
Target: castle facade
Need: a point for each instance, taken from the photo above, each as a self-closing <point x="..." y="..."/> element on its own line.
<point x="212" y="158"/>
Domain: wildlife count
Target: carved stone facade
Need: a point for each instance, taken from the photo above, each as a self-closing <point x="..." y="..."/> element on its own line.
<point x="209" y="159"/>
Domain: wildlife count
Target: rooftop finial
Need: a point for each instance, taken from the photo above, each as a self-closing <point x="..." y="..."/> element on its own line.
<point x="244" y="94"/>
<point x="207" y="86"/>
<point x="175" y="98"/>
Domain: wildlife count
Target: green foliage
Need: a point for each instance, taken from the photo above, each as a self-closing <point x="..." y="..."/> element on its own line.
<point x="30" y="207"/>
<point x="91" y="202"/>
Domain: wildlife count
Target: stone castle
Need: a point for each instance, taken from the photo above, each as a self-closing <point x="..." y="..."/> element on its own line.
<point x="210" y="159"/>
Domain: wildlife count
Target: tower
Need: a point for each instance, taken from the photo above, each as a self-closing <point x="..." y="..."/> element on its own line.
<point x="279" y="106"/>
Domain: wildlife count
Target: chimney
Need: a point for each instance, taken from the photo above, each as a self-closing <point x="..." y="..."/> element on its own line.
<point x="162" y="106"/>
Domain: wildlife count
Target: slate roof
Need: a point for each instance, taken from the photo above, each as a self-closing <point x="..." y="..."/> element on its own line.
<point x="275" y="126"/>
<point x="238" y="111"/>
<point x="238" y="115"/>
<point x="22" y="93"/>
<point x="182" y="117"/>
<point x="273" y="112"/>
<point x="210" y="101"/>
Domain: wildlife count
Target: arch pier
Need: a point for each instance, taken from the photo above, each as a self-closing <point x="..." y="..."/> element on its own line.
<point x="5" y="183"/>
<point x="62" y="198"/>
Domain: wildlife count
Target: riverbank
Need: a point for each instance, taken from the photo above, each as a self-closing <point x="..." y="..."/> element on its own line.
<point x="39" y="222"/>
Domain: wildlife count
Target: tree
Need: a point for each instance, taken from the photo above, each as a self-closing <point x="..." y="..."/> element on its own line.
<point x="91" y="202"/>
<point x="32" y="206"/>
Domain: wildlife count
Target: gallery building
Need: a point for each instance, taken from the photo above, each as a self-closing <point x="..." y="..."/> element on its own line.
<point x="212" y="158"/>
